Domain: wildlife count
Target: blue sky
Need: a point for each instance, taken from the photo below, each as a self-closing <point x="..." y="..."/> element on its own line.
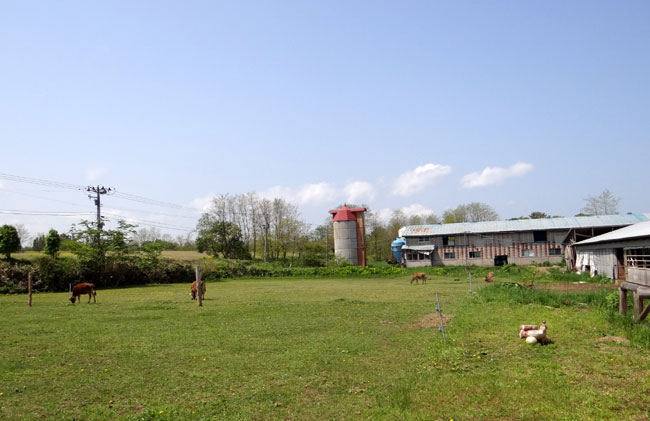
<point x="422" y="106"/>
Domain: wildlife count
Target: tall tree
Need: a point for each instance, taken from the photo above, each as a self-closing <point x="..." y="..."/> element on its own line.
<point x="603" y="204"/>
<point x="266" y="215"/>
<point x="9" y="240"/>
<point x="471" y="212"/>
<point x="220" y="237"/>
<point x="23" y="233"/>
<point x="52" y="243"/>
<point x="38" y="244"/>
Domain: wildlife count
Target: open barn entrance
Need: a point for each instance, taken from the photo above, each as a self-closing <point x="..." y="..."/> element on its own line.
<point x="500" y="260"/>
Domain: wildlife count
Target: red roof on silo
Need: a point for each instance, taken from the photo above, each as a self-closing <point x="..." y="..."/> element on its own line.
<point x="346" y="214"/>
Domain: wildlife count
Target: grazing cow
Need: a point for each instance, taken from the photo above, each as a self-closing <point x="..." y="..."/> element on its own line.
<point x="81" y="289"/>
<point x="417" y="276"/>
<point x="193" y="290"/>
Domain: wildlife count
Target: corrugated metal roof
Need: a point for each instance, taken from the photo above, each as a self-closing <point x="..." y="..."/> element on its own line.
<point x="642" y="229"/>
<point x="419" y="248"/>
<point x="524" y="225"/>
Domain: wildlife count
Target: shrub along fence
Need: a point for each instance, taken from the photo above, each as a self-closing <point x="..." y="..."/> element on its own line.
<point x="56" y="274"/>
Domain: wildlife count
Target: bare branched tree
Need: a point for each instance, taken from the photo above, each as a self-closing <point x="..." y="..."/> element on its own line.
<point x="23" y="234"/>
<point x="603" y="204"/>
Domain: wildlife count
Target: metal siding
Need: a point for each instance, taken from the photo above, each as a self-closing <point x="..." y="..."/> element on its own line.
<point x="525" y="225"/>
<point x="345" y="240"/>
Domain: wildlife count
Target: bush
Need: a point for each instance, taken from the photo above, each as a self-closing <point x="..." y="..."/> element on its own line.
<point x="57" y="274"/>
<point x="13" y="277"/>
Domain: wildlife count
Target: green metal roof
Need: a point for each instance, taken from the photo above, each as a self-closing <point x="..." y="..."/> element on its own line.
<point x="524" y="225"/>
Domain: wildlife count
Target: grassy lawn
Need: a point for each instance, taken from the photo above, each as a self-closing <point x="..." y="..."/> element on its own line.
<point x="311" y="349"/>
<point x="183" y="255"/>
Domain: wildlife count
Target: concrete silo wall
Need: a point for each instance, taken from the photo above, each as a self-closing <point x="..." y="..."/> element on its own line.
<point x="345" y="240"/>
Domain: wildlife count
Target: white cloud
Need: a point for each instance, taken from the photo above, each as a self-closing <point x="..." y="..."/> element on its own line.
<point x="316" y="193"/>
<point x="202" y="204"/>
<point x="92" y="174"/>
<point x="359" y="191"/>
<point x="307" y="194"/>
<point x="416" y="209"/>
<point x="280" y="192"/>
<point x="384" y="215"/>
<point x="416" y="180"/>
<point x="495" y="175"/>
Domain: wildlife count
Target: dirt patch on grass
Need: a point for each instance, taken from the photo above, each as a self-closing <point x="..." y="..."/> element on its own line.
<point x="573" y="287"/>
<point x="431" y="320"/>
<point x="616" y="339"/>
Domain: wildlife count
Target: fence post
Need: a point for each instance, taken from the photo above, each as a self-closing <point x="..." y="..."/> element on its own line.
<point x="29" y="288"/>
<point x="198" y="286"/>
<point x="442" y="321"/>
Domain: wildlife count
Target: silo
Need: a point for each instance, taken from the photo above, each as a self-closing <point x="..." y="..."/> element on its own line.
<point x="349" y="234"/>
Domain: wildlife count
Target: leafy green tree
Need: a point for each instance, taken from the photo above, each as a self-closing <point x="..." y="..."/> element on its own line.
<point x="39" y="242"/>
<point x="99" y="250"/>
<point x="9" y="240"/>
<point x="220" y="237"/>
<point x="52" y="243"/>
<point x="538" y="215"/>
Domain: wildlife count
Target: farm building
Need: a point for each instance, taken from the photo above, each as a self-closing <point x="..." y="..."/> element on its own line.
<point x="623" y="255"/>
<point x="496" y="243"/>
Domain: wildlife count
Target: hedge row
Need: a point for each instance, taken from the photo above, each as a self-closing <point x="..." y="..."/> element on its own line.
<point x="49" y="274"/>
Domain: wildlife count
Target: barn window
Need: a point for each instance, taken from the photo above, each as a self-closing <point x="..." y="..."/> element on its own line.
<point x="555" y="251"/>
<point x="448" y="240"/>
<point x="474" y="254"/>
<point x="450" y="255"/>
<point x="539" y="236"/>
<point x="527" y="253"/>
<point x="424" y="239"/>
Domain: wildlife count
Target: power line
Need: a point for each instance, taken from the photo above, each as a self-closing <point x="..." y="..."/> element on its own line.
<point x="98" y="191"/>
<point x="41" y="197"/>
<point x="149" y="222"/>
<point x="154" y="202"/>
<point x="41" y="213"/>
<point x="40" y="182"/>
<point x="84" y="206"/>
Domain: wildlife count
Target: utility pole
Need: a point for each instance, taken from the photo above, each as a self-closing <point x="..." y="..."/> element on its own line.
<point x="99" y="190"/>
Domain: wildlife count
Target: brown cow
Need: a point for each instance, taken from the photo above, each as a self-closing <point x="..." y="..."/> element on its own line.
<point x="193" y="290"/>
<point x="417" y="276"/>
<point x="81" y="289"/>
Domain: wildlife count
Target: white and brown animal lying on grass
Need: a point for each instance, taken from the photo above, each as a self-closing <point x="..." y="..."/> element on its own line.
<point x="193" y="290"/>
<point x="417" y="276"/>
<point x="81" y="289"/>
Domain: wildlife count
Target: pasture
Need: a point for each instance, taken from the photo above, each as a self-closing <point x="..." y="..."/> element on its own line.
<point x="311" y="349"/>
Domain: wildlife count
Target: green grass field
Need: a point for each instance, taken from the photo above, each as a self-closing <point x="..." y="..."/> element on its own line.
<point x="311" y="349"/>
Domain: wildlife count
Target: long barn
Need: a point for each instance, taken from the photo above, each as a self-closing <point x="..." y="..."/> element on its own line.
<point x="494" y="243"/>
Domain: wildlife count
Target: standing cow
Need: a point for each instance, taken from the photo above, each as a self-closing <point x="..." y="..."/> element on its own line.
<point x="193" y="290"/>
<point x="417" y="276"/>
<point x="81" y="289"/>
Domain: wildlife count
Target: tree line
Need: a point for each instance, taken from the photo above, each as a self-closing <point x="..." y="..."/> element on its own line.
<point x="247" y="226"/>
